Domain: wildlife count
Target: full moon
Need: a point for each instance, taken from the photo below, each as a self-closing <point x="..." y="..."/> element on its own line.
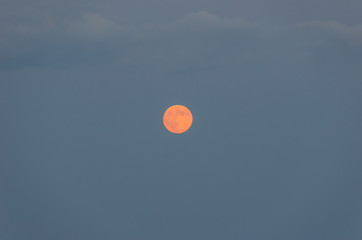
<point x="177" y="119"/>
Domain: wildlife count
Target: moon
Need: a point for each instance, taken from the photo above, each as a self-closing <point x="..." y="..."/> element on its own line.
<point x="177" y="119"/>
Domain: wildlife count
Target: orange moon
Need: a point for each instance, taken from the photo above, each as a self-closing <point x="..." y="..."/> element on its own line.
<point x="177" y="119"/>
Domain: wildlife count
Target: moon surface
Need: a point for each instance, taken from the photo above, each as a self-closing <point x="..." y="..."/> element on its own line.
<point x="177" y="119"/>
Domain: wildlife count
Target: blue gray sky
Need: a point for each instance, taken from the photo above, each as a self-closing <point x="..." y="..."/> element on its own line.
<point x="274" y="152"/>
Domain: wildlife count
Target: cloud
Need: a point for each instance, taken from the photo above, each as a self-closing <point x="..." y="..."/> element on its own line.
<point x="351" y="34"/>
<point x="331" y="42"/>
<point x="197" y="41"/>
<point x="57" y="41"/>
<point x="93" y="25"/>
<point x="204" y="18"/>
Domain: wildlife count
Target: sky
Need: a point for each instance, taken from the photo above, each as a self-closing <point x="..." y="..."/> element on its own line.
<point x="274" y="151"/>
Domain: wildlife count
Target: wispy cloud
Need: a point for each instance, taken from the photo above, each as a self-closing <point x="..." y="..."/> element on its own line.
<point x="198" y="40"/>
